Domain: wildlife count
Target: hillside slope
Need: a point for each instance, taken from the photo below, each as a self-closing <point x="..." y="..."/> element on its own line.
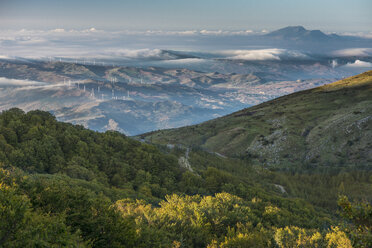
<point x="325" y="126"/>
<point x="63" y="181"/>
<point x="78" y="188"/>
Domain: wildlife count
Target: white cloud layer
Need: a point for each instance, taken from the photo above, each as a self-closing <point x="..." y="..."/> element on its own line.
<point x="4" y="57"/>
<point x="359" y="63"/>
<point x="184" y="61"/>
<point x="367" y="35"/>
<point x="17" y="82"/>
<point x="94" y="43"/>
<point x="142" y="53"/>
<point x="93" y="31"/>
<point x="353" y="52"/>
<point x="263" y="54"/>
<point x="58" y="30"/>
<point x="334" y="63"/>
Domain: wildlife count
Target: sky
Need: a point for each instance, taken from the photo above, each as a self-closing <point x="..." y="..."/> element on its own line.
<point x="327" y="15"/>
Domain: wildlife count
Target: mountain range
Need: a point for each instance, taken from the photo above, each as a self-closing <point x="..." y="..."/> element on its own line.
<point x="135" y="100"/>
<point x="300" y="33"/>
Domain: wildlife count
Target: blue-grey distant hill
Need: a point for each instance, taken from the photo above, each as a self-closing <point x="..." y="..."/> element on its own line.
<point x="313" y="40"/>
<point x="300" y="33"/>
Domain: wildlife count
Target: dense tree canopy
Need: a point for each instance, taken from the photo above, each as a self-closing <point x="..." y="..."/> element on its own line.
<point x="65" y="186"/>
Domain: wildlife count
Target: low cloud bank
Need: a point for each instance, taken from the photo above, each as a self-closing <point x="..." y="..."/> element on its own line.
<point x="184" y="61"/>
<point x="359" y="63"/>
<point x="263" y="54"/>
<point x="353" y="52"/>
<point x="143" y="54"/>
<point x="4" y="57"/>
<point x="18" y="82"/>
<point x="334" y="63"/>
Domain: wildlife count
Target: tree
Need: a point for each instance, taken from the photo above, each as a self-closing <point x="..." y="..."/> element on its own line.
<point x="359" y="217"/>
<point x="20" y="226"/>
<point x="338" y="239"/>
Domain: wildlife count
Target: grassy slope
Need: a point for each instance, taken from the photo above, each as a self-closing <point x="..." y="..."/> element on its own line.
<point x="328" y="125"/>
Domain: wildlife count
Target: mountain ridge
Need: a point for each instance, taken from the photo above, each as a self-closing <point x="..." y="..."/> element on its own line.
<point x="300" y="33"/>
<point x="327" y="125"/>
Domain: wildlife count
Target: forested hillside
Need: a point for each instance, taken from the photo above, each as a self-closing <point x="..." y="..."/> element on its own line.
<point x="66" y="186"/>
<point x="328" y="126"/>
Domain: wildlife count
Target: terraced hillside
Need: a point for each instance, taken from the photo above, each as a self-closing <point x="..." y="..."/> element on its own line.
<point x="329" y="125"/>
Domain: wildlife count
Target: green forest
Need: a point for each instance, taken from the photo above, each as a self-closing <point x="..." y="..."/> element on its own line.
<point x="62" y="185"/>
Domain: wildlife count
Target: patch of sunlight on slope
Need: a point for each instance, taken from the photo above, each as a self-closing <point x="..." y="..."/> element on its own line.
<point x="354" y="81"/>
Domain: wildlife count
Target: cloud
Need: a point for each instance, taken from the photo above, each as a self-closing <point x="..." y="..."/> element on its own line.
<point x="359" y="63"/>
<point x="4" y="57"/>
<point x="334" y="63"/>
<point x="143" y="54"/>
<point x="367" y="35"/>
<point x="354" y="52"/>
<point x="188" y="32"/>
<point x="17" y="82"/>
<point x="32" y="41"/>
<point x="90" y="30"/>
<point x="263" y="54"/>
<point x="213" y="32"/>
<point x="225" y="32"/>
<point x="244" y="32"/>
<point x="184" y="61"/>
<point x="58" y="30"/>
<point x="111" y="125"/>
<point x="148" y="44"/>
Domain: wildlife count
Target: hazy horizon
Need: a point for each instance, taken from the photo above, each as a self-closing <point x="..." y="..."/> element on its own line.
<point x="329" y="16"/>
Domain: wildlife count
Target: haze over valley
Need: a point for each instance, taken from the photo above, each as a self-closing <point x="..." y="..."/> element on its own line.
<point x="106" y="80"/>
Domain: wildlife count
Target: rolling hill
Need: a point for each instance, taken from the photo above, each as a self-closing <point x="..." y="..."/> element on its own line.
<point x="325" y="126"/>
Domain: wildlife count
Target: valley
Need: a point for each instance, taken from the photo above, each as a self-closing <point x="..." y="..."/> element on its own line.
<point x="137" y="100"/>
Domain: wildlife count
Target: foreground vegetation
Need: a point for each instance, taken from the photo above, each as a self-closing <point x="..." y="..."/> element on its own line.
<point x="55" y="212"/>
<point x="65" y="186"/>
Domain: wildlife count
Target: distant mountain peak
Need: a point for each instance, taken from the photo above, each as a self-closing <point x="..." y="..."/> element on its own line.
<point x="298" y="33"/>
<point x="294" y="29"/>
